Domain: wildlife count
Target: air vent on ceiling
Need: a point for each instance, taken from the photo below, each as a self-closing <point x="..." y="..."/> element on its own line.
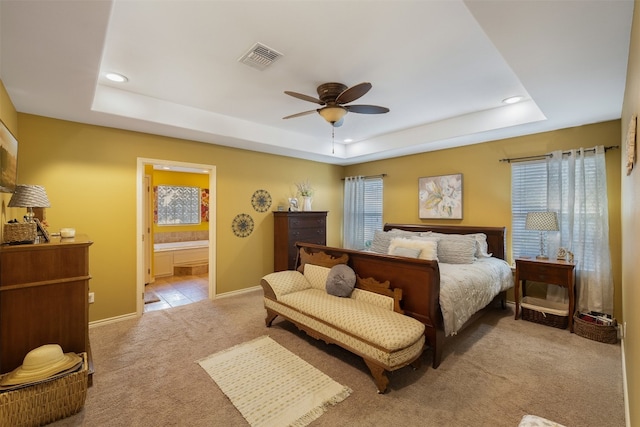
<point x="260" y="56"/>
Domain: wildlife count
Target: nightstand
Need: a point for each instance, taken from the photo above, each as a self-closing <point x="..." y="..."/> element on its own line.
<point x="556" y="272"/>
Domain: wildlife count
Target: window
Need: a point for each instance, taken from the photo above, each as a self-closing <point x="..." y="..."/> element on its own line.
<point x="178" y="205"/>
<point x="528" y="194"/>
<point x="372" y="208"/>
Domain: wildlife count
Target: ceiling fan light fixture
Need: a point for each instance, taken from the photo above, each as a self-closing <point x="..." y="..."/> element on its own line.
<point x="332" y="114"/>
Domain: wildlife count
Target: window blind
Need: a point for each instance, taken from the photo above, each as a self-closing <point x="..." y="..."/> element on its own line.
<point x="372" y="208"/>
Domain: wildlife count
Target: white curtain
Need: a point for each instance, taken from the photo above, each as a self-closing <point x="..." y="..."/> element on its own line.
<point x="577" y="191"/>
<point x="353" y="225"/>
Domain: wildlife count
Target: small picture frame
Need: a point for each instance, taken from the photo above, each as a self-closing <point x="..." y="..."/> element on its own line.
<point x="41" y="230"/>
<point x="293" y="204"/>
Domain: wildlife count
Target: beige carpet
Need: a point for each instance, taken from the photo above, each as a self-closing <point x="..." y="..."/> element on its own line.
<point x="492" y="373"/>
<point x="271" y="386"/>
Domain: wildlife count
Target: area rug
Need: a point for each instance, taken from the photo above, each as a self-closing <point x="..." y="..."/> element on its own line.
<point x="150" y="296"/>
<point x="270" y="385"/>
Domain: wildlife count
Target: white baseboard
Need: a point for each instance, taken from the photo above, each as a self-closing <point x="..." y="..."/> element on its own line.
<point x="112" y="320"/>
<point x="625" y="389"/>
<point x="239" y="292"/>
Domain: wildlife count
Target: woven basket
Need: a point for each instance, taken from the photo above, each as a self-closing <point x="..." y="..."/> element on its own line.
<point x="45" y="402"/>
<point x="603" y="333"/>
<point x="20" y="232"/>
<point x="544" y="312"/>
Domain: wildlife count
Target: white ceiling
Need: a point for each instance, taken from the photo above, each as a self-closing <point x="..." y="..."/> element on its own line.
<point x="441" y="67"/>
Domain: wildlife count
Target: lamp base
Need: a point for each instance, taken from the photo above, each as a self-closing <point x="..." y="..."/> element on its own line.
<point x="542" y="257"/>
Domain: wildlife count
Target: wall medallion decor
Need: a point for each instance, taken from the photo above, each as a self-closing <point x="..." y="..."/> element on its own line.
<point x="440" y="197"/>
<point x="242" y="225"/>
<point x="261" y="200"/>
<point x="631" y="143"/>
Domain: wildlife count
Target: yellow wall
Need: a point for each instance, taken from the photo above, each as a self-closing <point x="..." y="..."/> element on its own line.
<point x="10" y="118"/>
<point x="161" y="177"/>
<point x="486" y="181"/>
<point x="89" y="173"/>
<point x="631" y="230"/>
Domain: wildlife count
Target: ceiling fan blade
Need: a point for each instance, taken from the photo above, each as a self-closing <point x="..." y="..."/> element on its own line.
<point x="366" y="109"/>
<point x="304" y="97"/>
<point x="353" y="93"/>
<point x="338" y="123"/>
<point x="304" y="113"/>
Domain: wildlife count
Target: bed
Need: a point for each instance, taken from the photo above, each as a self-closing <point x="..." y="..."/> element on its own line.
<point x="435" y="293"/>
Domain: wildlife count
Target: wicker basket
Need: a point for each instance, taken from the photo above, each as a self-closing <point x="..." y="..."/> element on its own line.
<point x="20" y="232"/>
<point x="45" y="402"/>
<point x="603" y="333"/>
<point x="545" y="312"/>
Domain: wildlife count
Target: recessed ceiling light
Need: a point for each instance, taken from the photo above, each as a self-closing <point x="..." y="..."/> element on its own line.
<point x="348" y="140"/>
<point x="115" y="77"/>
<point x="513" y="99"/>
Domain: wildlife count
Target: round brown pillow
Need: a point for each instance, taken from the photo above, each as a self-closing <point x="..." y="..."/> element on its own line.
<point x="341" y="281"/>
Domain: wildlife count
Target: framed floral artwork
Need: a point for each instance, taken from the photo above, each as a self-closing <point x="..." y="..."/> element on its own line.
<point x="440" y="197"/>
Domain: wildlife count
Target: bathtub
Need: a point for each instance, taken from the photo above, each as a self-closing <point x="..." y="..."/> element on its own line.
<point x="176" y="246"/>
<point x="167" y="256"/>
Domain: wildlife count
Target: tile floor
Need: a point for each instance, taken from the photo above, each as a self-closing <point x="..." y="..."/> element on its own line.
<point x="177" y="290"/>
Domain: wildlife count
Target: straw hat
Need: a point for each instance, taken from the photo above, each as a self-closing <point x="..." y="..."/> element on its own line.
<point x="41" y="363"/>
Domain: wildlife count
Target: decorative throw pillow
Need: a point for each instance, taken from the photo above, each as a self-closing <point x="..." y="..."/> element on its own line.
<point x="482" y="247"/>
<point x="321" y="259"/>
<point x="341" y="281"/>
<point x="457" y="250"/>
<point x="382" y="239"/>
<point x="428" y="248"/>
<point x="406" y="252"/>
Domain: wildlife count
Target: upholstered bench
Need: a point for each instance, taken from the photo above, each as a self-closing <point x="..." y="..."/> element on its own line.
<point x="368" y="323"/>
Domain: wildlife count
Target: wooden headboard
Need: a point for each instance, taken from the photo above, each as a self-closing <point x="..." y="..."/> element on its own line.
<point x="496" y="236"/>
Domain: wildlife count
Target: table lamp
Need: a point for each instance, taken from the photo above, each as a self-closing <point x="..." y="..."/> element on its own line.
<point x="29" y="196"/>
<point x="542" y="222"/>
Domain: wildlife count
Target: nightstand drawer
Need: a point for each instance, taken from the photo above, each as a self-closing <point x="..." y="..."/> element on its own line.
<point x="541" y="274"/>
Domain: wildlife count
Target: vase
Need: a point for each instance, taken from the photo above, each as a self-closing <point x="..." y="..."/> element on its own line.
<point x="306" y="203"/>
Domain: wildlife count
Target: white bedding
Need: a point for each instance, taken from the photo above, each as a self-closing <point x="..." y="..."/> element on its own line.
<point x="467" y="288"/>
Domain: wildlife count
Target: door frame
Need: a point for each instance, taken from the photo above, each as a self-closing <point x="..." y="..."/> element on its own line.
<point x="140" y="224"/>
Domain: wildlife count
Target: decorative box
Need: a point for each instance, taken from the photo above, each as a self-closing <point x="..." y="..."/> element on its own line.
<point x="20" y="232"/>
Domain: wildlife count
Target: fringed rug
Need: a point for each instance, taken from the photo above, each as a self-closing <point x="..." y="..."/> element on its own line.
<point x="271" y="386"/>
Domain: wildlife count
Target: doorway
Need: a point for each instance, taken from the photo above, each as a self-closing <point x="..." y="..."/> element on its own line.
<point x="144" y="247"/>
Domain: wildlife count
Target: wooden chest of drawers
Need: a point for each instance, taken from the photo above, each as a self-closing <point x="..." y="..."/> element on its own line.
<point x="44" y="298"/>
<point x="292" y="227"/>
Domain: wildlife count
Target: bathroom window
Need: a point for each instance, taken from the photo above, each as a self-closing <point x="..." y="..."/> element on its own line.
<point x="178" y="205"/>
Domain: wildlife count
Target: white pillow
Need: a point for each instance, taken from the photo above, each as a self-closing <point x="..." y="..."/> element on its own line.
<point x="428" y="248"/>
<point x="406" y="252"/>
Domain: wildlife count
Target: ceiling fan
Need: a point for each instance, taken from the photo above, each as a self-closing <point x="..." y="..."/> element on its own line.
<point x="333" y="97"/>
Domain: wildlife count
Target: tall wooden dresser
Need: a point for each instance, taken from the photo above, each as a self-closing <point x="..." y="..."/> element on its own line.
<point x="292" y="227"/>
<point x="44" y="291"/>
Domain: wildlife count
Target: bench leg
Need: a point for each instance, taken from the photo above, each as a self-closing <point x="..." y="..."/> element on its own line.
<point x="270" y="317"/>
<point x="379" y="376"/>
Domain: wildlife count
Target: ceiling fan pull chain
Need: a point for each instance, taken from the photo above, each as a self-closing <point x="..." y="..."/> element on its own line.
<point x="333" y="140"/>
